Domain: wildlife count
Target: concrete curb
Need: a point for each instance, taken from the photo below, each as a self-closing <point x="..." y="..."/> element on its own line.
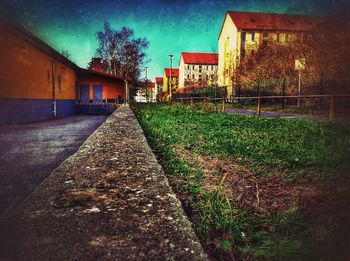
<point x="109" y="201"/>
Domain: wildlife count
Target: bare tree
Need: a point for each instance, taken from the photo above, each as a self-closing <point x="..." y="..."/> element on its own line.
<point x="325" y="51"/>
<point x="66" y="54"/>
<point x="121" y="52"/>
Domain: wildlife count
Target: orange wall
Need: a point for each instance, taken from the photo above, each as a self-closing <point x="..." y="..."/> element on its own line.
<point x="111" y="87"/>
<point x="24" y="70"/>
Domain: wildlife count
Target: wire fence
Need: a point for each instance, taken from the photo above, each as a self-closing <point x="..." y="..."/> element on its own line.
<point x="327" y="106"/>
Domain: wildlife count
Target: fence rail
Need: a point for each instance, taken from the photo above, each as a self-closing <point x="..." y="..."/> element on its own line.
<point x="224" y="101"/>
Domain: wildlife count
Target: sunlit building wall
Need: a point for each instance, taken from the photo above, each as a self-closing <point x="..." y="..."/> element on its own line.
<point x="174" y="79"/>
<point x="243" y="33"/>
<point x="200" y="68"/>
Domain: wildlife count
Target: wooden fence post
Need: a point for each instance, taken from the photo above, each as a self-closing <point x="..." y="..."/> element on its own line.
<point x="182" y="100"/>
<point x="204" y="103"/>
<point x="332" y="107"/>
<point x="283" y="92"/>
<point x="223" y="105"/>
<point x="191" y="102"/>
<point x="259" y="107"/>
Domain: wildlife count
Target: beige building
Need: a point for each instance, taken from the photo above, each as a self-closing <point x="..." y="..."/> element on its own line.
<point x="243" y="32"/>
<point x="198" y="69"/>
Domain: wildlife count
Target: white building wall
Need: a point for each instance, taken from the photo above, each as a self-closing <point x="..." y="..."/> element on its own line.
<point x="196" y="73"/>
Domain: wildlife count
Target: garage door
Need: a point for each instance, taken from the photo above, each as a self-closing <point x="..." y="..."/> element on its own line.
<point x="98" y="93"/>
<point x="84" y="93"/>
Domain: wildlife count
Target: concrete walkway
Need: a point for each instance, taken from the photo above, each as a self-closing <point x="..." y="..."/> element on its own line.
<point x="109" y="201"/>
<point x="271" y="114"/>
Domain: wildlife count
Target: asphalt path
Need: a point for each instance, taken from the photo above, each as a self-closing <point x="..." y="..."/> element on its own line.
<point x="271" y="114"/>
<point x="30" y="152"/>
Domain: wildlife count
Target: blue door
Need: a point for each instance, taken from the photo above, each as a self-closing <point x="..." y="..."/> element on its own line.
<point x="98" y="93"/>
<point x="84" y="93"/>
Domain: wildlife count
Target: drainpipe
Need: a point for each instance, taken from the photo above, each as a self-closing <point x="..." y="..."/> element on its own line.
<point x="54" y="109"/>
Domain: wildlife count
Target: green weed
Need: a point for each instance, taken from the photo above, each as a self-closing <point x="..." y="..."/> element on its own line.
<point x="178" y="134"/>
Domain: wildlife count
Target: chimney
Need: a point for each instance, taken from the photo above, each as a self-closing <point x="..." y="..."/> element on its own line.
<point x="96" y="64"/>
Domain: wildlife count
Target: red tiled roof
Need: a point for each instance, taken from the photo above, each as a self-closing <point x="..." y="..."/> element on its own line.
<point x="175" y="72"/>
<point x="266" y="21"/>
<point x="151" y="84"/>
<point x="159" y="80"/>
<point x="200" y="58"/>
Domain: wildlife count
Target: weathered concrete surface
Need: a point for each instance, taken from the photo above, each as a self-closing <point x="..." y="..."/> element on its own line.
<point x="109" y="201"/>
<point x="30" y="152"/>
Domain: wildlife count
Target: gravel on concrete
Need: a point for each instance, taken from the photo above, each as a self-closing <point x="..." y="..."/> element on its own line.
<point x="109" y="201"/>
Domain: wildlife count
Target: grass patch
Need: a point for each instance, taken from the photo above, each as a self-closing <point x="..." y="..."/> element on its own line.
<point x="263" y="168"/>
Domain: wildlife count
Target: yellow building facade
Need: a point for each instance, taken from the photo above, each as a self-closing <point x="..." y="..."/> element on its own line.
<point x="243" y="32"/>
<point x="174" y="78"/>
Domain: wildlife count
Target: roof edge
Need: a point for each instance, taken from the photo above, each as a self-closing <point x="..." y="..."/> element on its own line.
<point x="37" y="42"/>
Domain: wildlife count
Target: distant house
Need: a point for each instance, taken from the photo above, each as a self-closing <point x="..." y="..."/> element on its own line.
<point x="159" y="85"/>
<point x="37" y="82"/>
<point x="152" y="92"/>
<point x="174" y="77"/>
<point x="200" y="68"/>
<point x="146" y="93"/>
<point x="244" y="32"/>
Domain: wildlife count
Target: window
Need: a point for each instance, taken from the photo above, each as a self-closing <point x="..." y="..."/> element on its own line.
<point x="193" y="67"/>
<point x="207" y="77"/>
<point x="265" y="35"/>
<point x="253" y="37"/>
<point x="193" y="76"/>
<point x="243" y="36"/>
<point x="188" y="76"/>
<point x="59" y="83"/>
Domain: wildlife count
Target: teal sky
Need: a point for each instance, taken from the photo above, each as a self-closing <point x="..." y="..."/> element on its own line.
<point x="171" y="27"/>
